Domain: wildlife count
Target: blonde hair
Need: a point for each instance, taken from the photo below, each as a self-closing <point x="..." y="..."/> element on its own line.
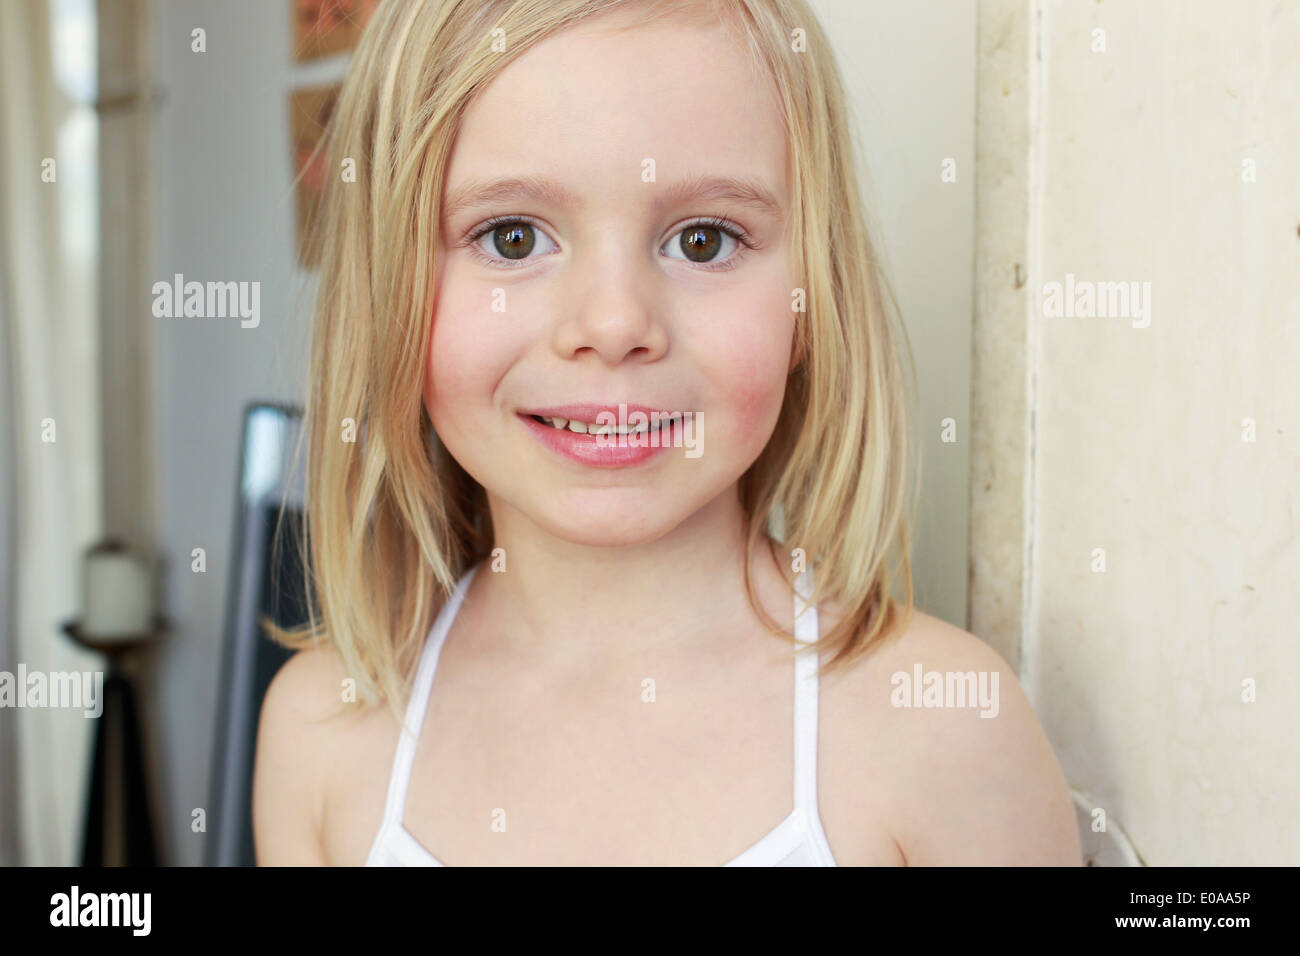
<point x="393" y="520"/>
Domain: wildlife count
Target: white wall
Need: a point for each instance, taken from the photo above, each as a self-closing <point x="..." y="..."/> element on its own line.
<point x="224" y="211"/>
<point x="1127" y="165"/>
<point x="909" y="71"/>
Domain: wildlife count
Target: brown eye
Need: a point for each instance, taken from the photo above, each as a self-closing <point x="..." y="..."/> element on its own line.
<point x="701" y="243"/>
<point x="514" y="240"/>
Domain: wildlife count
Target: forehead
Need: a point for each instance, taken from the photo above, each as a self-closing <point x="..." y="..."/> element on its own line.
<point x="587" y="106"/>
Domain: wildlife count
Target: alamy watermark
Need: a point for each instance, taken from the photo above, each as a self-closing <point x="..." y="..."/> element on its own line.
<point x="948" y="689"/>
<point x="1085" y="299"/>
<point x="62" y="689"/>
<point x="208" y="300"/>
<point x="656" y="429"/>
<point x="131" y="911"/>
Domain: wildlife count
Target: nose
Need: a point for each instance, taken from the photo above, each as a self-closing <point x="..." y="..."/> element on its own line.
<point x="612" y="315"/>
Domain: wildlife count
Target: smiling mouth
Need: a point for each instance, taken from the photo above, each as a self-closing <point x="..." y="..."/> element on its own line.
<point x="590" y="428"/>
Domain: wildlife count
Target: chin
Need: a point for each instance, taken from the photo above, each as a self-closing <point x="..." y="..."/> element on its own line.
<point x="602" y="520"/>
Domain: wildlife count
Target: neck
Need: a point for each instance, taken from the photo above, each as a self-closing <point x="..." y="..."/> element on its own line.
<point x="564" y="603"/>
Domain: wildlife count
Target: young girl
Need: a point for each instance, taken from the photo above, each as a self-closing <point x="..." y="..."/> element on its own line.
<point x="608" y="418"/>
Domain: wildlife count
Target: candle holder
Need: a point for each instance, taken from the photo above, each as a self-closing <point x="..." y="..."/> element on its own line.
<point x="118" y="748"/>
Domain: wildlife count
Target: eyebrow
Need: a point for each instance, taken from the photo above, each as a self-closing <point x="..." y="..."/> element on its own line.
<point x="744" y="192"/>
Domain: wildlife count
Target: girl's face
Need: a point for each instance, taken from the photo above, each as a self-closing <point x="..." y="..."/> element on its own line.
<point x="604" y="168"/>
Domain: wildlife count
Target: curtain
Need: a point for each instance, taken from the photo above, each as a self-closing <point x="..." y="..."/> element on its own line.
<point x="50" y="475"/>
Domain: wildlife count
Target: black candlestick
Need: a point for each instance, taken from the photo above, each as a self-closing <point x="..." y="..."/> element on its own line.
<point x="118" y="722"/>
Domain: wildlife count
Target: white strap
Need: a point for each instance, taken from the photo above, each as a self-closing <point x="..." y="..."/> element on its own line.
<point x="395" y="806"/>
<point x="806" y="631"/>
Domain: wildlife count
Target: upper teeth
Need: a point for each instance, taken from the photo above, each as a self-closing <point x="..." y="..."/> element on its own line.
<point x="589" y="428"/>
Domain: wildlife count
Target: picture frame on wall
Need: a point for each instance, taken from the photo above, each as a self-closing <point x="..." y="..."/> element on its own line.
<point x="325" y="27"/>
<point x="310" y="109"/>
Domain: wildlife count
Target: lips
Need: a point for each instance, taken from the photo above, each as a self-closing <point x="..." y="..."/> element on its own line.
<point x="574" y="432"/>
<point x="591" y="414"/>
<point x="643" y="426"/>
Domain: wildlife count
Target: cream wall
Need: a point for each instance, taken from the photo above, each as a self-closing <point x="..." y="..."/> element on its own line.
<point x="1093" y="435"/>
<point x="909" y="75"/>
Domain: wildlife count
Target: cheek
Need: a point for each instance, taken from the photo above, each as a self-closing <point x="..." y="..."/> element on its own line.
<point x="466" y="357"/>
<point x="748" y="362"/>
<point x="446" y="382"/>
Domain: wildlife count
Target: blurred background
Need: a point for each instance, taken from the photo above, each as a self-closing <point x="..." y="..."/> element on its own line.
<point x="1109" y="500"/>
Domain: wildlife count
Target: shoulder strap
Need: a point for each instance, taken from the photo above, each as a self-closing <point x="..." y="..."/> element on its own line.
<point x="400" y="778"/>
<point x="806" y="631"/>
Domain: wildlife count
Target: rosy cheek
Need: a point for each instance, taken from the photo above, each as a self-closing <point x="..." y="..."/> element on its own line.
<point x="750" y="373"/>
<point x="754" y="403"/>
<point x="449" y="387"/>
<point x="460" y="350"/>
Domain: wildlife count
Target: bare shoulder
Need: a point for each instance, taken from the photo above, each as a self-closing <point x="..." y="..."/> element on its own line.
<point x="971" y="778"/>
<point x="295" y="735"/>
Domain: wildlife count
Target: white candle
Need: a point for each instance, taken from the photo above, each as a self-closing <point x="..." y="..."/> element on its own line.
<point x="119" y="595"/>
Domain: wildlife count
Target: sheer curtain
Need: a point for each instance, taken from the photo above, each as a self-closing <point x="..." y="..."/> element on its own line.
<point x="49" y="386"/>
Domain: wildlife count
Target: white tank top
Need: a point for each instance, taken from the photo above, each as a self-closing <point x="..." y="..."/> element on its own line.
<point x="798" y="840"/>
